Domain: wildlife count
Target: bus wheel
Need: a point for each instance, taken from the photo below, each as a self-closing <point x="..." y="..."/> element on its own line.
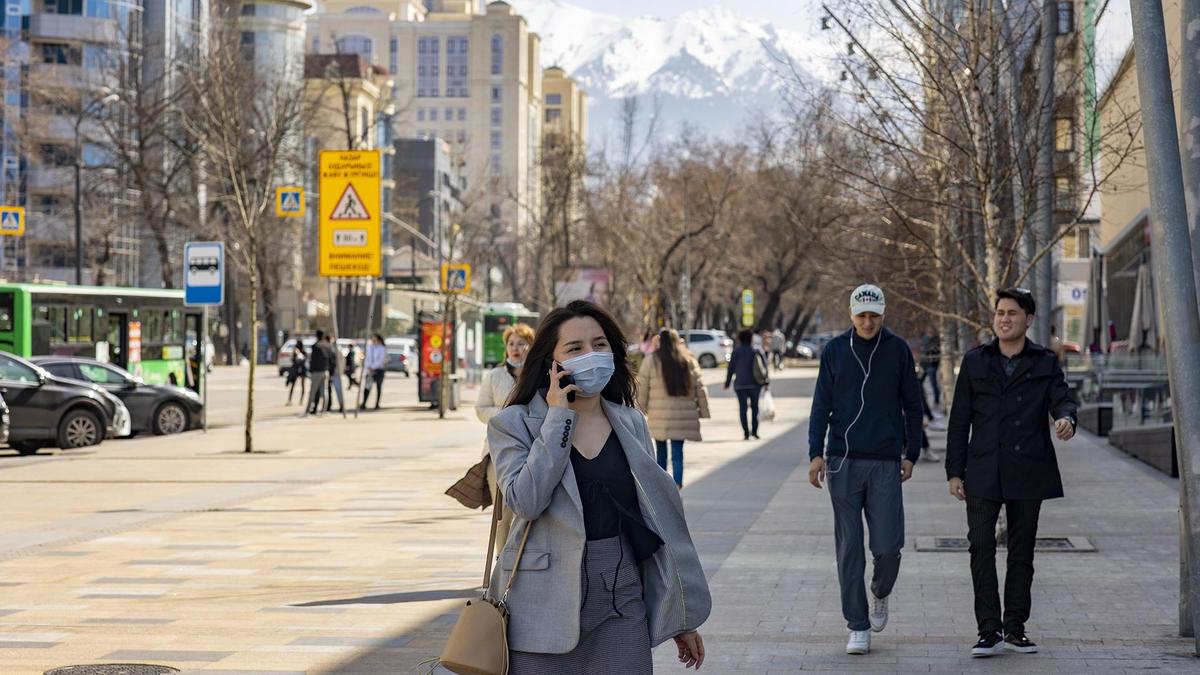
<point x="170" y="418"/>
<point x="26" y="447"/>
<point x="79" y="429"/>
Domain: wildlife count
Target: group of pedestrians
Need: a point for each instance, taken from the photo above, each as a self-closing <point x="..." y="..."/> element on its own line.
<point x="597" y="565"/>
<point x="323" y="368"/>
<point x="865" y="435"/>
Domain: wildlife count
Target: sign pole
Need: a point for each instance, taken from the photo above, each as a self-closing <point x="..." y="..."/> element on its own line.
<point x="203" y="368"/>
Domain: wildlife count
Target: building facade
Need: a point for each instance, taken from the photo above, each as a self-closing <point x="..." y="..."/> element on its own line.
<point x="468" y="77"/>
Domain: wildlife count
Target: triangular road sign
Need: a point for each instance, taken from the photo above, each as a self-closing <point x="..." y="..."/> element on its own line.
<point x="11" y="221"/>
<point x="349" y="206"/>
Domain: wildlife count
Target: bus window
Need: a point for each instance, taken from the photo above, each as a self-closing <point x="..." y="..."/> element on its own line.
<point x="55" y="319"/>
<point x="79" y="325"/>
<point x="7" y="307"/>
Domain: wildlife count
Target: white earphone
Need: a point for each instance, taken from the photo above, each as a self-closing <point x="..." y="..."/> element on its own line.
<point x="862" y="397"/>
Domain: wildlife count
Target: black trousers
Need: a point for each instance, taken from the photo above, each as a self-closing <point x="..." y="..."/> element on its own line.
<point x="1022" y="536"/>
<point x="748" y="399"/>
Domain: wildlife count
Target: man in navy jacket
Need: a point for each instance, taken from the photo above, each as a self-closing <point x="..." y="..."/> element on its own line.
<point x="999" y="453"/>
<point x="868" y="401"/>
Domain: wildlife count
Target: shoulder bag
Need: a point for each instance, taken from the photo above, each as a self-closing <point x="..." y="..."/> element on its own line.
<point x="478" y="645"/>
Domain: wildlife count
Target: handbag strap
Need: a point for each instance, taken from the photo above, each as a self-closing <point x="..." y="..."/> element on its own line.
<point x="517" y="563"/>
<point x="497" y="509"/>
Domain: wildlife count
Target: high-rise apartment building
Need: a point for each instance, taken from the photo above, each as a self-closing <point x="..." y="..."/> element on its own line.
<point x="565" y="106"/>
<point x="472" y="78"/>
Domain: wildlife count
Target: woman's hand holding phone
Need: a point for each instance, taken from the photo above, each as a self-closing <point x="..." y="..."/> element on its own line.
<point x="562" y="387"/>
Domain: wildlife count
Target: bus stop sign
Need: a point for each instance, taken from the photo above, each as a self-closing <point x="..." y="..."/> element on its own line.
<point x="204" y="273"/>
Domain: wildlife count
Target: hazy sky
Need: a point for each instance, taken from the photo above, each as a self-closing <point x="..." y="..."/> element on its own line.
<point x="794" y="14"/>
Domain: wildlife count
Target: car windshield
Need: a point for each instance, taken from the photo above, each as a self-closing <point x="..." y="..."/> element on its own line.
<point x="101" y="374"/>
<point x="15" y="371"/>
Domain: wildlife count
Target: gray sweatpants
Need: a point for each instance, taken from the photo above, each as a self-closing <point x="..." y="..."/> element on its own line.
<point x="871" y="486"/>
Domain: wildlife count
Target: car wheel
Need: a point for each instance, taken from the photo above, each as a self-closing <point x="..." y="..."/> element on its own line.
<point x="708" y="361"/>
<point x="170" y="418"/>
<point x="79" y="429"/>
<point x="26" y="447"/>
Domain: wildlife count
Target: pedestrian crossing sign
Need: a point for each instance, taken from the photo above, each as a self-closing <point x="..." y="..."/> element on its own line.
<point x="289" y="201"/>
<point x="456" y="278"/>
<point x="12" y="221"/>
<point x="349" y="213"/>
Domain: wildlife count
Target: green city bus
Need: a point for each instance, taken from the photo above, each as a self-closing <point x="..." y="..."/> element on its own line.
<point x="146" y="331"/>
<point x="497" y="317"/>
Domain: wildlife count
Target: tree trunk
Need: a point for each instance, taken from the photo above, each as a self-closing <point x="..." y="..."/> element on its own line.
<point x="253" y="321"/>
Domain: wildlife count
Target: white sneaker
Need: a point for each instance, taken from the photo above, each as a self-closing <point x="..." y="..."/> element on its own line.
<point x="859" y="643"/>
<point x="879" y="613"/>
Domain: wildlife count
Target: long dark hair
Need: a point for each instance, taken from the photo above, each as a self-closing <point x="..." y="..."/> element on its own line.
<point x="676" y="370"/>
<point x="621" y="389"/>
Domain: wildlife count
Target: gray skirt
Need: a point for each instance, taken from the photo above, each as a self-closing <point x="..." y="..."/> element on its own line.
<point x="614" y="638"/>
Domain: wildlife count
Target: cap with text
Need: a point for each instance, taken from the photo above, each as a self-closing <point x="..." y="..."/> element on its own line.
<point x="867" y="298"/>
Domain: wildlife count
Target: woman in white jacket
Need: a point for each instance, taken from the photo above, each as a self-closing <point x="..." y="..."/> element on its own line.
<point x="497" y="384"/>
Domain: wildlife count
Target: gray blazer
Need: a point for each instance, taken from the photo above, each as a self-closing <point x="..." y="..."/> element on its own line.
<point x="531" y="448"/>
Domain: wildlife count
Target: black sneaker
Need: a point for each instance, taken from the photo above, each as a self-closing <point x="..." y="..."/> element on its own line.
<point x="989" y="644"/>
<point x="1020" y="643"/>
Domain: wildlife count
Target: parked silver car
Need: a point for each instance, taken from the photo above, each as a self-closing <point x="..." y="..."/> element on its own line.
<point x="710" y="347"/>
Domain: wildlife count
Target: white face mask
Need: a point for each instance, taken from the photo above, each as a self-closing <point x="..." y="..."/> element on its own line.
<point x="591" y="371"/>
<point x="514" y="364"/>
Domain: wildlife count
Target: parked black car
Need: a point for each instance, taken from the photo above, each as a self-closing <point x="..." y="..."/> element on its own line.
<point x="47" y="410"/>
<point x="161" y="409"/>
<point x="4" y="421"/>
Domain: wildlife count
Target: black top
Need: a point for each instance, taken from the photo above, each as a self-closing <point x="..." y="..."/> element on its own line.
<point x="999" y="439"/>
<point x="321" y="359"/>
<point x="610" y="500"/>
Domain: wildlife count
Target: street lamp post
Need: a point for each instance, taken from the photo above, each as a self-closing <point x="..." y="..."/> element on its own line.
<point x="83" y="111"/>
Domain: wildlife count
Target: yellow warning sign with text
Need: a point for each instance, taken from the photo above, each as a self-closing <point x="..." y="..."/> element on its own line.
<point x="350" y="211"/>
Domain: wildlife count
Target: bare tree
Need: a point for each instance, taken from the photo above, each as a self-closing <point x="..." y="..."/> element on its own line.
<point x="248" y="116"/>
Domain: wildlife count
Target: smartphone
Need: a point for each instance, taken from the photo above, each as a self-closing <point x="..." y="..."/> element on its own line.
<point x="565" y="382"/>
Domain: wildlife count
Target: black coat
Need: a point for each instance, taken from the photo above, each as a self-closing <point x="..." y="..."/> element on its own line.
<point x="999" y="439"/>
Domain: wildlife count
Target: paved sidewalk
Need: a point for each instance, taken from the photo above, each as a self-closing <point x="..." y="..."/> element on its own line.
<point x="334" y="551"/>
<point x="777" y="607"/>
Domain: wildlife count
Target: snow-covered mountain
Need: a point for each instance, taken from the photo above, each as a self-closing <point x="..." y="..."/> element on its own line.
<point x="708" y="67"/>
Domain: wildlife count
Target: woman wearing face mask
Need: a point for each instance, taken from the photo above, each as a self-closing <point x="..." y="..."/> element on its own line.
<point x="497" y="384"/>
<point x="608" y="569"/>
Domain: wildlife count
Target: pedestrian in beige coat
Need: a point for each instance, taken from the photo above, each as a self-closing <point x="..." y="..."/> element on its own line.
<point x="671" y="393"/>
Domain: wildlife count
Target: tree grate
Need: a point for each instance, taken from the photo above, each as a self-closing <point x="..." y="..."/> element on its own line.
<point x="1044" y="545"/>
<point x="113" y="669"/>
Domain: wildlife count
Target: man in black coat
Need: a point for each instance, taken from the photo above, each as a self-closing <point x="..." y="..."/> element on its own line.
<point x="999" y="453"/>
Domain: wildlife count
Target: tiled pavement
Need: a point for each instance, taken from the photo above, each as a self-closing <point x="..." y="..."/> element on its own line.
<point x="335" y="552"/>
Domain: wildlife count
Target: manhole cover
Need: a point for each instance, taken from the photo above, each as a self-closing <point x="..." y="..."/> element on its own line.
<point x="1044" y="544"/>
<point x="113" y="669"/>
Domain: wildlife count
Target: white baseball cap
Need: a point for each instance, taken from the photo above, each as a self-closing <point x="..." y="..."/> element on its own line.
<point x="867" y="298"/>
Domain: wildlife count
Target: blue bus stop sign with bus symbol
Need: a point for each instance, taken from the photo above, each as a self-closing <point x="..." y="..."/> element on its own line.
<point x="204" y="273"/>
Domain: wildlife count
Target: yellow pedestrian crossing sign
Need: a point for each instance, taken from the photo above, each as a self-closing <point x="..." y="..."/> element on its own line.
<point x="12" y="220"/>
<point x="289" y="201"/>
<point x="349" y="212"/>
<point x="456" y="278"/>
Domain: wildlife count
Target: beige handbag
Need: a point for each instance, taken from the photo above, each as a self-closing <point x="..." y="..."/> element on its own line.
<point x="478" y="645"/>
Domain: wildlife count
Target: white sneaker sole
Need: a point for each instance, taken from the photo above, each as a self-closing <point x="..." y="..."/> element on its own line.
<point x="877" y="627"/>
<point x="984" y="652"/>
<point x="857" y="651"/>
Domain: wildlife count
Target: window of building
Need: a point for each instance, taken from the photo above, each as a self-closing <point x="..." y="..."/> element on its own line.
<point x="457" y="60"/>
<point x="449" y="115"/>
<point x="495" y="164"/>
<point x="393" y="55"/>
<point x="553" y="99"/>
<point x="1064" y="134"/>
<point x="462" y="114"/>
<point x="356" y="44"/>
<point x="553" y="115"/>
<point x="1077" y="243"/>
<point x="428" y="61"/>
<point x="64" y="7"/>
<point x="363" y="10"/>
<point x="497" y="54"/>
<point x="58" y="155"/>
<point x="496" y="94"/>
<point x="62" y="54"/>
<point x="497" y="141"/>
<point x="1064" y="193"/>
<point x="497" y="116"/>
<point x="433" y="114"/>
<point x="1066" y="18"/>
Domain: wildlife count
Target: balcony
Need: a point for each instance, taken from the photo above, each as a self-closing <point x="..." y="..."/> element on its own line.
<point x="65" y="76"/>
<point x="72" y="28"/>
